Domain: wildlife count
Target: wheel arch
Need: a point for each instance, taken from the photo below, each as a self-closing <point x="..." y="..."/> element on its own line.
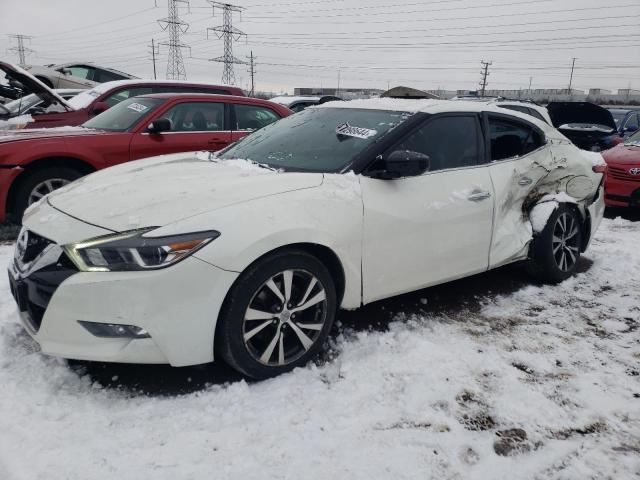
<point x="82" y="166"/>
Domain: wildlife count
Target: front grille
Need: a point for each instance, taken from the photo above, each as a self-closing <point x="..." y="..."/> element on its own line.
<point x="622" y="174"/>
<point x="33" y="292"/>
<point x="30" y="245"/>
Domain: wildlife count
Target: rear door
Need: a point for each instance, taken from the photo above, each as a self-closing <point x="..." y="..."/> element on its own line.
<point x="196" y="125"/>
<point x="520" y="162"/>
<point x="428" y="229"/>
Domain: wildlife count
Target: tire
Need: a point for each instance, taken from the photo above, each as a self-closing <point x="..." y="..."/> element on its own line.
<point x="258" y="334"/>
<point x="36" y="181"/>
<point x="555" y="251"/>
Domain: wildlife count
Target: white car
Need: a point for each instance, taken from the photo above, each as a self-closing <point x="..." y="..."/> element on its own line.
<point x="249" y="253"/>
<point x="75" y="75"/>
<point x="34" y="104"/>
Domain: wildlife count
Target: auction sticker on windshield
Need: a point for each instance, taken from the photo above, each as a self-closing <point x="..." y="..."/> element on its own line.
<point x="357" y="132"/>
<point x="137" y="107"/>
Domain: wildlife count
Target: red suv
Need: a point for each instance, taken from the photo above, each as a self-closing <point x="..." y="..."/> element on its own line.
<point x="35" y="162"/>
<point x="92" y="102"/>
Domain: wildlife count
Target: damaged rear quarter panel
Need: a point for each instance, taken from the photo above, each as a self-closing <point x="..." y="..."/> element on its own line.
<point x="520" y="183"/>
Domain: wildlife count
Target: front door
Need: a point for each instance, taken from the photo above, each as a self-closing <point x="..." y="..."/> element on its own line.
<point x="194" y="126"/>
<point x="424" y="230"/>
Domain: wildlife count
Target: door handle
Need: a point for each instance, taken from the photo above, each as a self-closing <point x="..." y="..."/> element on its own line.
<point x="524" y="181"/>
<point x="478" y="196"/>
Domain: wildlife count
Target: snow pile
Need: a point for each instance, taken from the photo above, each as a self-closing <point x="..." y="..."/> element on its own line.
<point x="14" y="121"/>
<point x="540" y="213"/>
<point x="542" y="382"/>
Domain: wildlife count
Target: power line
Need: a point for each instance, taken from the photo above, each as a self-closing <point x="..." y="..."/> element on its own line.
<point x="173" y="23"/>
<point x="228" y="33"/>
<point x="20" y="49"/>
<point x="485" y="74"/>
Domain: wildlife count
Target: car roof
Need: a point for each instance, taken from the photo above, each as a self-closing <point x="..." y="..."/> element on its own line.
<point x="434" y="106"/>
<point x="205" y="96"/>
<point x="106" y="86"/>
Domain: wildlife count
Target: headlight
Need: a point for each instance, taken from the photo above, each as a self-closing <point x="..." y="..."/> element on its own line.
<point x="131" y="251"/>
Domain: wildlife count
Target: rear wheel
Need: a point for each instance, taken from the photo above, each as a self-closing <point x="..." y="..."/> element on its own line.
<point x="555" y="251"/>
<point x="40" y="183"/>
<point x="277" y="315"/>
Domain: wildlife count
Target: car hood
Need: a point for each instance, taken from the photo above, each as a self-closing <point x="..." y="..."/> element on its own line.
<point x="162" y="190"/>
<point x="623" y="154"/>
<point x="30" y="84"/>
<point x="579" y="113"/>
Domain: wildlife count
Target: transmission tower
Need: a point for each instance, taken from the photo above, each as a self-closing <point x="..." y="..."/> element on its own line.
<point x="485" y="73"/>
<point x="176" y="27"/>
<point x="20" y="49"/>
<point x="252" y="72"/>
<point x="228" y="33"/>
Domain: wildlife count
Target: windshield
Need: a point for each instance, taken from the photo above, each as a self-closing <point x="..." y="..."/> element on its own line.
<point x="322" y="139"/>
<point x="125" y="115"/>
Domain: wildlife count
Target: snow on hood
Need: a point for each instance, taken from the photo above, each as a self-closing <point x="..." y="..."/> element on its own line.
<point x="32" y="85"/>
<point x="162" y="190"/>
<point x="580" y="116"/>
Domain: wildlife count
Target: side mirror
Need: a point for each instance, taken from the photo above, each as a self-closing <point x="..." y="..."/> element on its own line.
<point x="99" y="107"/>
<point x="159" y="125"/>
<point x="400" y="163"/>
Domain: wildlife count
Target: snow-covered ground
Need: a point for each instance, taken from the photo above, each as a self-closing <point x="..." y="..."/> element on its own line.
<point x="541" y="383"/>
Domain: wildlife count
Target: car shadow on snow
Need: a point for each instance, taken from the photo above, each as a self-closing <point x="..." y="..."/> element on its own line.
<point x="466" y="294"/>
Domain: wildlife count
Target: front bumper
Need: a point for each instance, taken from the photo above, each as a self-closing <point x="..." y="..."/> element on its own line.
<point x="621" y="188"/>
<point x="178" y="306"/>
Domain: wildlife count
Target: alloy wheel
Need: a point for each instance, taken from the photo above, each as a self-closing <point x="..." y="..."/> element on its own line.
<point x="565" y="242"/>
<point x="285" y="317"/>
<point x="45" y="188"/>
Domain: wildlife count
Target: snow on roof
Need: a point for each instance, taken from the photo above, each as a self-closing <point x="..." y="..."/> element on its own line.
<point x="286" y="100"/>
<point x="85" y="98"/>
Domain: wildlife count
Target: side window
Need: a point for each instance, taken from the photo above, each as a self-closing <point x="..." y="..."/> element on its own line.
<point x="298" y="107"/>
<point x="196" y="117"/>
<point x="102" y="76"/>
<point x="632" y="123"/>
<point x="450" y="142"/>
<point x="81" y="71"/>
<point x="251" y="117"/>
<point x="517" y="108"/>
<point x="512" y="139"/>
<point x="121" y="95"/>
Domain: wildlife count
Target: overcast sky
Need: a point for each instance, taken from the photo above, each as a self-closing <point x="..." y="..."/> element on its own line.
<point x="424" y="44"/>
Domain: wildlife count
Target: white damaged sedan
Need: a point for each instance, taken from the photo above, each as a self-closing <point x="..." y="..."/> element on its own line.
<point x="248" y="254"/>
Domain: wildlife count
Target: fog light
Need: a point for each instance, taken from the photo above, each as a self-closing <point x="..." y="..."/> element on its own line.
<point x="114" y="330"/>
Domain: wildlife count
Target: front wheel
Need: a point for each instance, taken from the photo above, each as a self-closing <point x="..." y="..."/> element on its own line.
<point x="555" y="251"/>
<point x="277" y="315"/>
<point x="40" y="183"/>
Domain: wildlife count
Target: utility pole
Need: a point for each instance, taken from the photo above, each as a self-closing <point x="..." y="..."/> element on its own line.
<point x="530" y="80"/>
<point x="154" y="52"/>
<point x="252" y="72"/>
<point x="228" y="33"/>
<point x="573" y="64"/>
<point x="485" y="73"/>
<point x="20" y="49"/>
<point x="338" y="89"/>
<point x="176" y="27"/>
